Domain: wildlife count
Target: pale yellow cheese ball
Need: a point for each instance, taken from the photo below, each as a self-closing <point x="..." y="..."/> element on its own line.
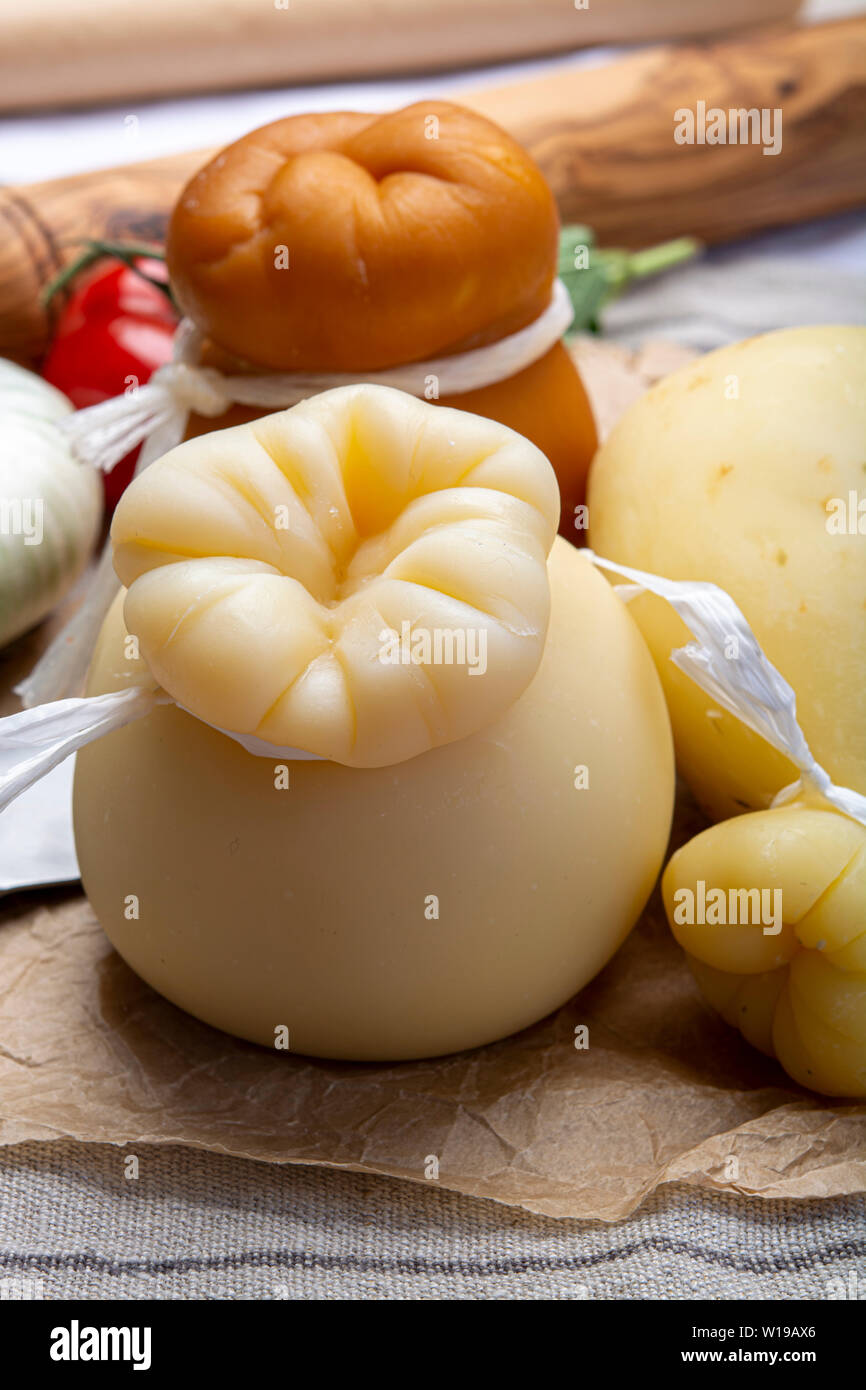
<point x="400" y="911"/>
<point x="748" y="468"/>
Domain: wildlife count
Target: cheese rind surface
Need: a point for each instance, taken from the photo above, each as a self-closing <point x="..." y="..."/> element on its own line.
<point x="746" y="468"/>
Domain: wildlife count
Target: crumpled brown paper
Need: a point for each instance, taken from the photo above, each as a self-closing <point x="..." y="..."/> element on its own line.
<point x="664" y="1091"/>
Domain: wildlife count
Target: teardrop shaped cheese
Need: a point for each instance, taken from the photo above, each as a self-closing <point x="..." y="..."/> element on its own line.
<point x="363" y="576"/>
<point x="392" y="912"/>
<point x="784" y="960"/>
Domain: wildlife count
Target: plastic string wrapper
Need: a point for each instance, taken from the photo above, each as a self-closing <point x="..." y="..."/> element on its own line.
<point x="37" y="740"/>
<point x="34" y="741"/>
<point x="103" y="434"/>
<point x="748" y="687"/>
<point x="157" y="414"/>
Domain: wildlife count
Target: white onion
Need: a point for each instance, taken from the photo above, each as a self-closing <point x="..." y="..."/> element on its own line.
<point x="50" y="505"/>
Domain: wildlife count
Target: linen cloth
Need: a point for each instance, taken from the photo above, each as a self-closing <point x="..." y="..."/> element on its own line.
<point x="198" y="1226"/>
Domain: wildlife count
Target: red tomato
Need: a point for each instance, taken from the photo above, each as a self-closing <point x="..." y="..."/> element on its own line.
<point x="113" y="332"/>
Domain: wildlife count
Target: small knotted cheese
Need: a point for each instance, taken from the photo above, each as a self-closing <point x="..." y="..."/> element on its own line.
<point x="771" y="908"/>
<point x="363" y="576"/>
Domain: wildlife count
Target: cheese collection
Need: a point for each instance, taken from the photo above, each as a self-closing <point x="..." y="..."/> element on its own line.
<point x="411" y="779"/>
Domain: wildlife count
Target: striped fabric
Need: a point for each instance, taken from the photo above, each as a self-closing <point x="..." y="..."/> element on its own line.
<point x="75" y="1223"/>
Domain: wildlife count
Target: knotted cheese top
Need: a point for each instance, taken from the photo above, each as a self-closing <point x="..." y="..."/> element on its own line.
<point x="363" y="576"/>
<point x="344" y="241"/>
<point x="769" y="907"/>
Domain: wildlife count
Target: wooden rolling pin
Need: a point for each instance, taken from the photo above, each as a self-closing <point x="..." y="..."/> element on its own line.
<point x="604" y="138"/>
<point x="54" y="53"/>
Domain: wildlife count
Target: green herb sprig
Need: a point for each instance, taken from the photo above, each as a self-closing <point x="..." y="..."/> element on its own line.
<point x="595" y="275"/>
